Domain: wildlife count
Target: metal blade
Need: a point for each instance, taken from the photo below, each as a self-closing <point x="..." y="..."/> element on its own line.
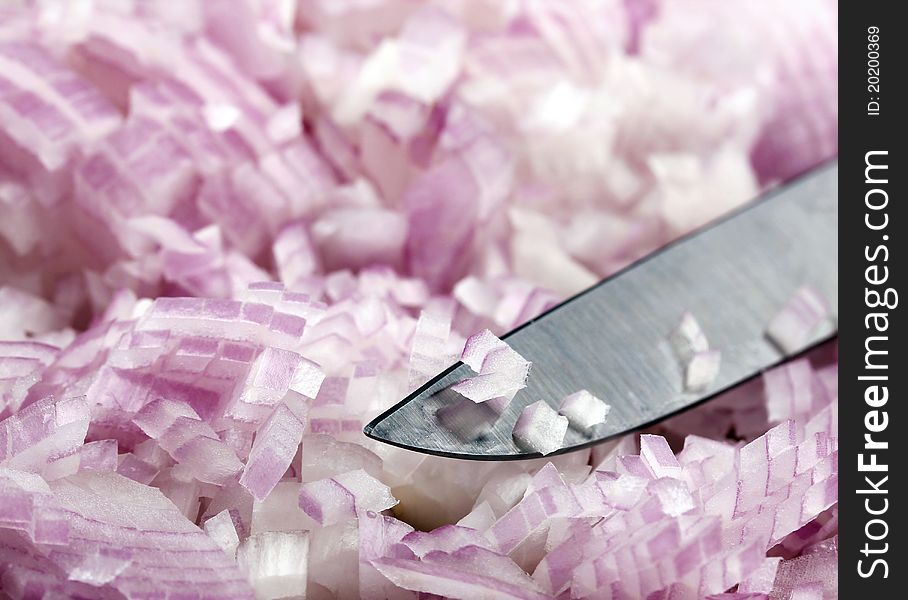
<point x="734" y="276"/>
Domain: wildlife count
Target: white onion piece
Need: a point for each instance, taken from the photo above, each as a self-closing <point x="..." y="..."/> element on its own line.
<point x="47" y="429"/>
<point x="107" y="523"/>
<point x="504" y="488"/>
<point x="359" y="237"/>
<point x="275" y="446"/>
<point x="798" y="319"/>
<point x="294" y="255"/>
<point x="280" y="511"/>
<point x="430" y="49"/>
<point x="160" y="415"/>
<point x="483" y="388"/>
<point x="502" y="371"/>
<point x="447" y="538"/>
<point x="428" y="354"/>
<point x="102" y="567"/>
<point x="136" y="469"/>
<point x="99" y="456"/>
<point x="222" y="530"/>
<point x="378" y="534"/>
<point x="657" y="455"/>
<point x="26" y="315"/>
<point x="276" y="563"/>
<point x="584" y="411"/>
<point x="189" y="440"/>
<point x="323" y="456"/>
<point x="338" y="498"/>
<point x="688" y="338"/>
<point x="468" y="573"/>
<point x="812" y="575"/>
<point x="792" y="390"/>
<point x="278" y="371"/>
<point x="700" y="363"/>
<point x="478" y="346"/>
<point x="702" y="370"/>
<point x="761" y="581"/>
<point x="540" y="429"/>
<point x="480" y="518"/>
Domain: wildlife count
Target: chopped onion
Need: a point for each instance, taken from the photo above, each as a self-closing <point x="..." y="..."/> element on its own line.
<point x="701" y="365"/>
<point x="502" y="371"/>
<point x="45" y="430"/>
<point x="688" y="339"/>
<point x="276" y="563"/>
<point x="232" y="235"/>
<point x="429" y="356"/>
<point x="584" y="411"/>
<point x="540" y="429"/>
<point x="797" y="320"/>
<point x="657" y="455"/>
<point x="702" y="370"/>
<point x="119" y="534"/>
<point x="222" y="530"/>
<point x="275" y="446"/>
<point x="337" y="498"/>
<point x="102" y="567"/>
<point x="793" y="390"/>
<point x="470" y="572"/>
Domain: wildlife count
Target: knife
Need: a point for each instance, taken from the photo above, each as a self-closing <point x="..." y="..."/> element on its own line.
<point x="733" y="275"/>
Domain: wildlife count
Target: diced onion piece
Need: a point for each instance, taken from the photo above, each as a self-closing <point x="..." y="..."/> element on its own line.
<point x="447" y="538"/>
<point x="428" y="354"/>
<point x="688" y="338"/>
<point x="338" y="498"/>
<point x="478" y="347"/>
<point x="658" y="456"/>
<point x="700" y="364"/>
<point x="276" y="563"/>
<point x="105" y="522"/>
<point x="540" y="429"/>
<point x="275" y="445"/>
<point x="158" y="416"/>
<point x="101" y="567"/>
<point x="702" y="370"/>
<point x="471" y="572"/>
<point x="324" y="457"/>
<point x="811" y="575"/>
<point x="480" y="518"/>
<point x="46" y="430"/>
<point x="223" y="531"/>
<point x="190" y="441"/>
<point x="761" y="581"/>
<point x="802" y="314"/>
<point x="276" y="372"/>
<point x="99" y="456"/>
<point x="483" y="388"/>
<point x="791" y="390"/>
<point x="378" y="534"/>
<point x="584" y="411"/>
<point x="502" y="371"/>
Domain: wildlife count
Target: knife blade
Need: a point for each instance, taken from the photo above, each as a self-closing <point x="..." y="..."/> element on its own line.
<point x="734" y="275"/>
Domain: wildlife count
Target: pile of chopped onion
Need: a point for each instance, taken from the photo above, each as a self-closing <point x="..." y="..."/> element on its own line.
<point x="234" y="232"/>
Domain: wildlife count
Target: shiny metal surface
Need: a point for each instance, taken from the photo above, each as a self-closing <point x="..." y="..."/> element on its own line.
<point x="734" y="276"/>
